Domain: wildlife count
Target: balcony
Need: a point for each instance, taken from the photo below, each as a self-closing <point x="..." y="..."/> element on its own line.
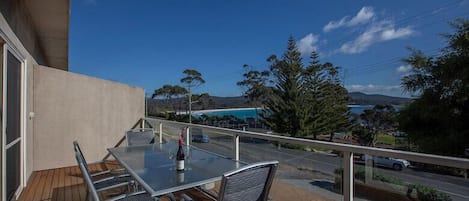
<point x="318" y="171"/>
<point x="66" y="184"/>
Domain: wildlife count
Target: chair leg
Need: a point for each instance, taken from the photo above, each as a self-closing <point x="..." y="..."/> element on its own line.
<point x="171" y="196"/>
<point x="135" y="186"/>
<point x="185" y="197"/>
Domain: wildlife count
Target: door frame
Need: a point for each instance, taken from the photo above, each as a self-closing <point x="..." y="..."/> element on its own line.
<point x="10" y="49"/>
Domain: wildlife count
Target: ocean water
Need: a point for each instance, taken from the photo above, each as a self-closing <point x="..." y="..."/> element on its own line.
<point x="251" y="112"/>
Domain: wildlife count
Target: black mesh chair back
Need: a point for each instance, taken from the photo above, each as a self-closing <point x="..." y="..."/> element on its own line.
<point x="92" y="193"/>
<point x="140" y="137"/>
<point x="251" y="183"/>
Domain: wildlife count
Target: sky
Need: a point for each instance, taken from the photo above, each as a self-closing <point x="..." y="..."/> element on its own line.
<point x="149" y="43"/>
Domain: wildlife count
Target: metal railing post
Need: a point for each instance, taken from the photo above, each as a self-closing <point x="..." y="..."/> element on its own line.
<point x="142" y="123"/>
<point x="161" y="132"/>
<point x="236" y="147"/>
<point x="187" y="135"/>
<point x="348" y="176"/>
<point x="368" y="169"/>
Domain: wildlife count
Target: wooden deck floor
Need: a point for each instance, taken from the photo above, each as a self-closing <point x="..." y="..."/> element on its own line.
<point x="57" y="185"/>
<point x="66" y="184"/>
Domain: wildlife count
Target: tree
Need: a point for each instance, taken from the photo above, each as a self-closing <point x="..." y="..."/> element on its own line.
<point x="299" y="100"/>
<point x="164" y="91"/>
<point x="437" y="120"/>
<point x="191" y="80"/>
<point x="169" y="92"/>
<point x="202" y="100"/>
<point x="336" y="111"/>
<point x="285" y="103"/>
<point x="380" y="119"/>
<point x="179" y="92"/>
<point x="317" y="97"/>
<point x="255" y="82"/>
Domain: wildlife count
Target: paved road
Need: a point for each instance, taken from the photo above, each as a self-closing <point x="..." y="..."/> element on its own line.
<point x="457" y="188"/>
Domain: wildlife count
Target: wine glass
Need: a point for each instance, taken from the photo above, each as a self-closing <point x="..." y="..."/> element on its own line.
<point x="172" y="154"/>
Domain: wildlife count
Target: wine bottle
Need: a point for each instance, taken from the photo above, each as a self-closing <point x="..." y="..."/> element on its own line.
<point x="180" y="156"/>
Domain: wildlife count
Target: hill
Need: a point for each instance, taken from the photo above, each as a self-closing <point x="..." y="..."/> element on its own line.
<point x="357" y="98"/>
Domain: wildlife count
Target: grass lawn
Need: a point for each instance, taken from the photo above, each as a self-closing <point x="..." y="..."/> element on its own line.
<point x="386" y="139"/>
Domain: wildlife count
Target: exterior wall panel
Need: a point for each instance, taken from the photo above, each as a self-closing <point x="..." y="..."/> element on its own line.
<point x="70" y="107"/>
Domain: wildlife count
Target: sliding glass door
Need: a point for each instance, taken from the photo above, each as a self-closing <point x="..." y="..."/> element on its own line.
<point x="12" y="140"/>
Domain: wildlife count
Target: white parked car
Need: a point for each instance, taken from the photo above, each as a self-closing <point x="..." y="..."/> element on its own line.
<point x="394" y="163"/>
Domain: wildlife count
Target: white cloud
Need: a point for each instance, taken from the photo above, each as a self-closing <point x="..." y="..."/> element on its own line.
<point x="404" y="68"/>
<point x="390" y="34"/>
<point x="334" y="25"/>
<point x="376" y="32"/>
<point x="363" y="16"/>
<point x="307" y="44"/>
<point x="372" y="88"/>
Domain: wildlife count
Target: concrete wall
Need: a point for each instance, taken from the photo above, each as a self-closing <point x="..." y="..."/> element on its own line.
<point x="70" y="107"/>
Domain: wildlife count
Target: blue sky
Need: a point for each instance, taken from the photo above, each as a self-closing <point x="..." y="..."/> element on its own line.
<point x="149" y="43"/>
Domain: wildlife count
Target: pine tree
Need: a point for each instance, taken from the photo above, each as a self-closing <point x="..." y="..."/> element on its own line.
<point x="285" y="103"/>
<point x="315" y="102"/>
<point x="304" y="101"/>
<point x="336" y="99"/>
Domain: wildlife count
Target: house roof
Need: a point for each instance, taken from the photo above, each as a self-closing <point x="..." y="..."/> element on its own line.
<point x="51" y="21"/>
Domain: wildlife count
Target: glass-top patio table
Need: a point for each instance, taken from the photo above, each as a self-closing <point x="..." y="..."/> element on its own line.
<point x="154" y="166"/>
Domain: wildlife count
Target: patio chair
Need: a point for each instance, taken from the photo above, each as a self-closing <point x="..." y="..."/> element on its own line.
<point x="93" y="191"/>
<point x="102" y="181"/>
<point x="250" y="183"/>
<point x="120" y="171"/>
<point x="140" y="136"/>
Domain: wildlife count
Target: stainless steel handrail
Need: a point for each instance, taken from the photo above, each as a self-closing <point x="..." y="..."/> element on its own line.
<point x="348" y="150"/>
<point x="412" y="156"/>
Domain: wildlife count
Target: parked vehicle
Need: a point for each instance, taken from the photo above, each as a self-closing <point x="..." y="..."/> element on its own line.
<point x="199" y="136"/>
<point x="394" y="163"/>
<point x="399" y="134"/>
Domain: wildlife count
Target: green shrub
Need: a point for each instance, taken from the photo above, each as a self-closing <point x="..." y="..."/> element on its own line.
<point x="425" y="193"/>
<point x="387" y="179"/>
<point x="359" y="174"/>
<point x="291" y="146"/>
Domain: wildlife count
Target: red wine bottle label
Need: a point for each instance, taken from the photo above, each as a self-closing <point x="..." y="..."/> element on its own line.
<point x="180" y="165"/>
